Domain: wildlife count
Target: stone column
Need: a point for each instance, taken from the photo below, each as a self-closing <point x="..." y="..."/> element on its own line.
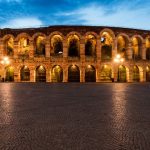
<point x="82" y="74"/>
<point x="47" y="49"/>
<point x="65" y="73"/>
<point x="1" y="48"/>
<point x="65" y="50"/>
<point x="47" y="75"/>
<point x="114" y="48"/>
<point x="98" y="73"/>
<point x="16" y="75"/>
<point x="32" y="75"/>
<point x="31" y="52"/>
<point x="129" y="51"/>
<point x="144" y="75"/>
<point x="82" y="50"/>
<point x="143" y="53"/>
<point x="98" y="49"/>
<point x="16" y="49"/>
<point x="115" y="72"/>
<point x="130" y="74"/>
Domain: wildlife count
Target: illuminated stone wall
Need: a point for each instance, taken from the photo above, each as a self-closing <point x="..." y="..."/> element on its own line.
<point x="87" y="50"/>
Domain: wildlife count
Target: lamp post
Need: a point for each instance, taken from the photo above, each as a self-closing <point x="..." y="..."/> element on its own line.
<point x="118" y="60"/>
<point x="5" y="62"/>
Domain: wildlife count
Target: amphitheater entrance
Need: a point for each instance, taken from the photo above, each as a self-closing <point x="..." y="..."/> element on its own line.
<point x="90" y="74"/>
<point x="9" y="74"/>
<point x="40" y="74"/>
<point x="122" y="74"/>
<point x="57" y="74"/>
<point x="106" y="73"/>
<point x="136" y="74"/>
<point x="73" y="74"/>
<point x="25" y="73"/>
<point x="147" y="74"/>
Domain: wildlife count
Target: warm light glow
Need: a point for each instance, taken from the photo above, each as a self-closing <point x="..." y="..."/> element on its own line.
<point x="5" y="61"/>
<point x="89" y="66"/>
<point x="118" y="59"/>
<point x="118" y="56"/>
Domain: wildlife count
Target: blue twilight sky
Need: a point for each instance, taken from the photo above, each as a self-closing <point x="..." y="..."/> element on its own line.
<point x="35" y="13"/>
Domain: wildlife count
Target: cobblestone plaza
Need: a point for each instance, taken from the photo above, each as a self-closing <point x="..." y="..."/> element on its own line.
<point x="74" y="116"/>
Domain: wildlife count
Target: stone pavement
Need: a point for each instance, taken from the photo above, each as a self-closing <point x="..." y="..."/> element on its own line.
<point x="74" y="116"/>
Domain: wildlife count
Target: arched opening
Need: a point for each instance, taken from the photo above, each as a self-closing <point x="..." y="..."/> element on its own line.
<point x="56" y="45"/>
<point x="57" y="74"/>
<point x="147" y="74"/>
<point x="90" y="74"/>
<point x="136" y="74"/>
<point x="9" y="46"/>
<point x="73" y="74"/>
<point x="40" y="74"/>
<point x="148" y="48"/>
<point x="122" y="45"/>
<point x="106" y="49"/>
<point x="73" y="46"/>
<point x="25" y="73"/>
<point x="40" y="45"/>
<point x="137" y="48"/>
<point x="106" y="73"/>
<point x="23" y="45"/>
<point x="122" y="77"/>
<point x="90" y="45"/>
<point x="9" y="74"/>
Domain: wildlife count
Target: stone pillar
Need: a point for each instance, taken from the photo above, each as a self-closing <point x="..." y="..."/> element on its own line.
<point x="65" y="50"/>
<point x="144" y="75"/>
<point x="130" y="74"/>
<point x="47" y="49"/>
<point x="16" y="49"/>
<point x="129" y="51"/>
<point x="98" y="49"/>
<point x="31" y="52"/>
<point x="114" y="48"/>
<point x="98" y="73"/>
<point x="32" y="75"/>
<point x="115" y="72"/>
<point x="82" y="74"/>
<point x="47" y="75"/>
<point x="65" y="73"/>
<point x="16" y="75"/>
<point x="82" y="50"/>
<point x="143" y="53"/>
<point x="1" y="48"/>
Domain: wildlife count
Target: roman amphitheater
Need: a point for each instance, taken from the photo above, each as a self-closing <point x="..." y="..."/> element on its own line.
<point x="74" y="54"/>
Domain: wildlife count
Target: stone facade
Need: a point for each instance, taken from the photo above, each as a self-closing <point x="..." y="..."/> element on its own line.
<point x="129" y="41"/>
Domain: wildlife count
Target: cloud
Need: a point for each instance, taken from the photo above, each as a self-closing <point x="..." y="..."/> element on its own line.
<point x="8" y="1"/>
<point x="22" y="23"/>
<point x="122" y="15"/>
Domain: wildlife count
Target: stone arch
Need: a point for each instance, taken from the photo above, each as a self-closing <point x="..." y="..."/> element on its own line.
<point x="23" y="43"/>
<point x="90" y="73"/>
<point x="56" y="43"/>
<point x="111" y="32"/>
<point x="137" y="42"/>
<point x="123" y="73"/>
<point x="73" y="73"/>
<point x="90" y="44"/>
<point x="106" y="73"/>
<point x="39" y="43"/>
<point x="57" y="74"/>
<point x="106" y="45"/>
<point x="8" y="43"/>
<point x="148" y="74"/>
<point x="56" y="33"/>
<point x="147" y="44"/>
<point x="24" y="73"/>
<point x="122" y="44"/>
<point x="137" y="74"/>
<point x="9" y="74"/>
<point x="23" y="35"/>
<point x="40" y="73"/>
<point x="74" y="33"/>
<point x="73" y="42"/>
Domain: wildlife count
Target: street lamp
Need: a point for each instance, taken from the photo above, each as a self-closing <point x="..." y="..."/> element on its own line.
<point x="118" y="60"/>
<point x="5" y="62"/>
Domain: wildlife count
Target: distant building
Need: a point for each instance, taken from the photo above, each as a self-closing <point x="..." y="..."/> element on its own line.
<point x="75" y="54"/>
